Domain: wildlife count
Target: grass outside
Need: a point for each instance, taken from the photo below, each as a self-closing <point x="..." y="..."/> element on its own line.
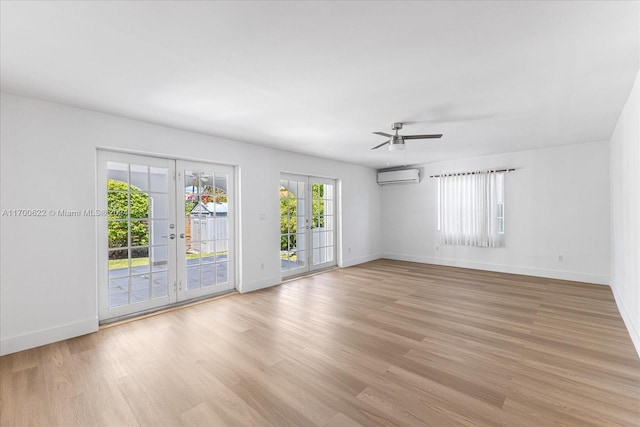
<point x="138" y="262"/>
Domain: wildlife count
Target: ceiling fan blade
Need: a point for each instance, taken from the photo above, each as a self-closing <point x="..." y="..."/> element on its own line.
<point x="384" y="143"/>
<point x="421" y="136"/>
<point x="383" y="134"/>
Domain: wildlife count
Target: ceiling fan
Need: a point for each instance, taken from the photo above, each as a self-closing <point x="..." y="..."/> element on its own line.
<point x="396" y="142"/>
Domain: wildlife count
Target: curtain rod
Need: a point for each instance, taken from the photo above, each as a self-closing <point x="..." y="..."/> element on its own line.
<point x="469" y="173"/>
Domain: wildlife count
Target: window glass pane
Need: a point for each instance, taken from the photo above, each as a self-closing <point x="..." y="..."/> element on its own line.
<point x="159" y="232"/>
<point x="329" y="223"/>
<point x="139" y="260"/>
<point x="118" y="263"/>
<point x="159" y="257"/>
<point x="140" y="288"/>
<point x="159" y="205"/>
<point x="193" y="278"/>
<point x="328" y="207"/>
<point x="222" y="273"/>
<point x="208" y="251"/>
<point x="139" y="232"/>
<point x="118" y="172"/>
<point x="117" y="202"/>
<point x="222" y="250"/>
<point x="139" y="178"/>
<point x="328" y="254"/>
<point x="159" y="180"/>
<point x="208" y="274"/>
<point x="118" y="291"/>
<point x="221" y="228"/>
<point x="329" y="238"/>
<point x="159" y="284"/>
<point x="139" y="205"/>
<point x="207" y="182"/>
<point x="328" y="191"/>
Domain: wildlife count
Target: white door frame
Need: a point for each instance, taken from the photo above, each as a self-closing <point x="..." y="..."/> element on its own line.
<point x="176" y="263"/>
<point x="106" y="312"/>
<point x="217" y="260"/>
<point x="312" y="259"/>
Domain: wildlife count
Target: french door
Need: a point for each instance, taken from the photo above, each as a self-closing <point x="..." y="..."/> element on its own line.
<point x="307" y="224"/>
<point x="165" y="232"/>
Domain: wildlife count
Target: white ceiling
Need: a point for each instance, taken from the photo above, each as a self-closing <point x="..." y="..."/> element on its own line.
<point x="319" y="77"/>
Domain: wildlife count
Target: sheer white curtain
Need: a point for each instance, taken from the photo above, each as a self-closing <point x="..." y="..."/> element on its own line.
<point x="471" y="209"/>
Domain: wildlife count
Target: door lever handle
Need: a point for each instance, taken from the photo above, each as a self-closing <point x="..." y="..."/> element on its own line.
<point x="171" y="236"/>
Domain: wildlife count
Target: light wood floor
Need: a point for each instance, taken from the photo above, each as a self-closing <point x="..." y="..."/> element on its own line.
<point x="384" y="343"/>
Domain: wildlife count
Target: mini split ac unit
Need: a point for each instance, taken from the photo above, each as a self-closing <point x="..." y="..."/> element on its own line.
<point x="404" y="176"/>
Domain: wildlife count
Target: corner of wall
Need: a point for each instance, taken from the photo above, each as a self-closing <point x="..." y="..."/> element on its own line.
<point x="350" y="262"/>
<point x="634" y="333"/>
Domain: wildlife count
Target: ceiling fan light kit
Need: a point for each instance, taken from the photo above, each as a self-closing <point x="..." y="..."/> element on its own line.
<point x="396" y="146"/>
<point x="396" y="142"/>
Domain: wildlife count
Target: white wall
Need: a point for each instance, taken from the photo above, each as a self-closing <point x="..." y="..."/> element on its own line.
<point x="556" y="202"/>
<point x="625" y="213"/>
<point x="48" y="279"/>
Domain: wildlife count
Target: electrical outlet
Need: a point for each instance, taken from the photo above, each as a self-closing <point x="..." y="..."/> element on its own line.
<point x="561" y="258"/>
<point x="262" y="266"/>
<point x="349" y="250"/>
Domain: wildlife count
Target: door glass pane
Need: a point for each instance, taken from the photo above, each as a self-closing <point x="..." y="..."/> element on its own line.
<point x="193" y="278"/>
<point x="222" y="273"/>
<point x="159" y="180"/>
<point x="300" y="259"/>
<point x="292" y="222"/>
<point x="159" y="284"/>
<point x="206" y="225"/>
<point x="137" y="225"/>
<point x="222" y="250"/>
<point x="139" y="176"/>
<point x="159" y="257"/>
<point x="323" y="223"/>
<point x="208" y="274"/>
<point x="329" y="223"/>
<point x="139" y="232"/>
<point x="118" y="172"/>
<point x="118" y="291"/>
<point x="140" y="288"/>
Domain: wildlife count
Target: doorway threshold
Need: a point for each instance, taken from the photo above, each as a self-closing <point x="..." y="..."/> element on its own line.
<point x="165" y="309"/>
<point x="308" y="274"/>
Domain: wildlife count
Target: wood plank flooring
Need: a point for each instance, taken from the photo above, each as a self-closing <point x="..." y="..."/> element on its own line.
<point x="379" y="344"/>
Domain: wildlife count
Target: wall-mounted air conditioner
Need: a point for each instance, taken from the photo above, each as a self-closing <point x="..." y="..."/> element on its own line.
<point x="404" y="176"/>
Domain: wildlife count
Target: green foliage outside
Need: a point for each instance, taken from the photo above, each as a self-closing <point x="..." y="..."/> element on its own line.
<point x="138" y="262"/>
<point x="119" y="207"/>
<point x="288" y="219"/>
<point x="289" y="212"/>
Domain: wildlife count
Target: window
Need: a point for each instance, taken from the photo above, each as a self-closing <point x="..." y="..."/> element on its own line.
<point x="471" y="209"/>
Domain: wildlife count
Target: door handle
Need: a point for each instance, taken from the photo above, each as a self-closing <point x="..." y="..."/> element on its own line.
<point x="171" y="236"/>
<point x="182" y="235"/>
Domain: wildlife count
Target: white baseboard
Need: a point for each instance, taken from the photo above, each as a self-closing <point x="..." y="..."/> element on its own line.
<point x="632" y="328"/>
<point x="348" y="262"/>
<point x="529" y="271"/>
<point x="47" y="336"/>
<point x="276" y="280"/>
<point x="259" y="284"/>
